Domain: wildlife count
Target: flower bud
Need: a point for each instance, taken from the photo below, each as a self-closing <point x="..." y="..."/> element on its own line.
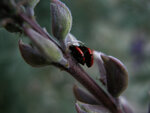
<point x="116" y="75"/>
<point x="31" y="4"/>
<point x="83" y="96"/>
<point x="87" y="108"/>
<point x="50" y="51"/>
<point x="61" y="19"/>
<point x="79" y="109"/>
<point x="101" y="68"/>
<point x="31" y="55"/>
<point x="125" y="105"/>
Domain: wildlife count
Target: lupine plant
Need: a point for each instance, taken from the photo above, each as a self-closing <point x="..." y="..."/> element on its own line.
<point x="64" y="51"/>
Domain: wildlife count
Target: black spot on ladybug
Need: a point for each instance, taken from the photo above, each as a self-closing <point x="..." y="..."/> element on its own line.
<point x="77" y="53"/>
<point x="88" y="54"/>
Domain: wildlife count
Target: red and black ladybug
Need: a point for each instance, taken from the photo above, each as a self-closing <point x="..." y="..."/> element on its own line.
<point x="82" y="54"/>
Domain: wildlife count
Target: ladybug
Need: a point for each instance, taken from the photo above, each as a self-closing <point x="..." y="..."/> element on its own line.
<point x="88" y="54"/>
<point x="82" y="54"/>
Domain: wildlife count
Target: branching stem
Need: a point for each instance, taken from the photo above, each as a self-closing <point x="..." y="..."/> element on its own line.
<point x="78" y="73"/>
<point x="81" y="76"/>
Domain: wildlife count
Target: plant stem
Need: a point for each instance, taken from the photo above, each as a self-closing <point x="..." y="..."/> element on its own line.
<point x="36" y="27"/>
<point x="78" y="73"/>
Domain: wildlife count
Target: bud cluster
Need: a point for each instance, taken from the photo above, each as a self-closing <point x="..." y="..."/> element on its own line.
<point x="45" y="50"/>
<point x="114" y="77"/>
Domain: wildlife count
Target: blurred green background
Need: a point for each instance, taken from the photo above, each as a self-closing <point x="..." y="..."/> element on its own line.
<point x="120" y="28"/>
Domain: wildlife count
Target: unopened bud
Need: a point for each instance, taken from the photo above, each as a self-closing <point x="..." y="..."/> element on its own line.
<point x="61" y="19"/>
<point x="51" y="52"/>
<point x="116" y="75"/>
<point x="88" y="108"/>
<point x="78" y="108"/>
<point x="30" y="5"/>
<point x="33" y="3"/>
<point x="83" y="96"/>
<point x="32" y="56"/>
<point x="125" y="105"/>
<point x="101" y="68"/>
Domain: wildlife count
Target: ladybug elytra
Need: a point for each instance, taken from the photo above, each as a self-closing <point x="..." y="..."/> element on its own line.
<point x="82" y="54"/>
